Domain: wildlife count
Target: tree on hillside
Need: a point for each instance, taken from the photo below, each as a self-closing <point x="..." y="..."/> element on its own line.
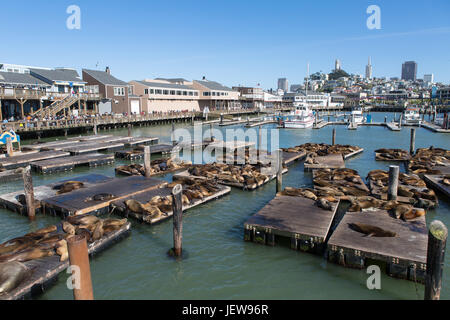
<point x="336" y="74"/>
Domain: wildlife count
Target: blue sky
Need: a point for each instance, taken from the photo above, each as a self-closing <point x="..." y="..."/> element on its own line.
<point x="242" y="42"/>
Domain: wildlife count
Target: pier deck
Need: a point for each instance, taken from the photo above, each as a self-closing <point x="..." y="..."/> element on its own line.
<point x="404" y="256"/>
<point x="434" y="128"/>
<point x="9" y="201"/>
<point x="10" y="175"/>
<point x="79" y="201"/>
<point x="47" y="269"/>
<point x="352" y="154"/>
<point x="68" y="163"/>
<point x="295" y="218"/>
<point x="290" y="157"/>
<point x="260" y="123"/>
<point x="23" y="160"/>
<point x="393" y="126"/>
<point x="138" y="152"/>
<point x="120" y="208"/>
<point x="331" y="161"/>
<point x="435" y="183"/>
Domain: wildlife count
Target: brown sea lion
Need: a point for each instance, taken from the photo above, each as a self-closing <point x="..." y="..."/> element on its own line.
<point x="414" y="213"/>
<point x="62" y="251"/>
<point x="85" y="233"/>
<point x="68" y="228"/>
<point x="42" y="231"/>
<point x="98" y="232"/>
<point x="27" y="255"/>
<point x="134" y="206"/>
<point x="12" y="274"/>
<point x="324" y="204"/>
<point x="371" y="231"/>
<point x="68" y="186"/>
<point x="114" y="222"/>
<point x="84" y="219"/>
<point x="402" y="209"/>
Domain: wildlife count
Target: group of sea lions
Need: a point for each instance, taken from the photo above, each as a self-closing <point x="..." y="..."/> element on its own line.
<point x="46" y="242"/>
<point x="247" y="156"/>
<point x="249" y="176"/>
<point x="410" y="186"/>
<point x="425" y="159"/>
<point x="323" y="149"/>
<point x="16" y="171"/>
<point x="323" y="201"/>
<point x="68" y="186"/>
<point x="392" y="155"/>
<point x="157" y="166"/>
<point x="157" y="206"/>
<point x="446" y="180"/>
<point x="339" y="182"/>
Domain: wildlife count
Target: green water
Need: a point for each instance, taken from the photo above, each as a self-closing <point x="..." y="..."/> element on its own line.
<point x="218" y="263"/>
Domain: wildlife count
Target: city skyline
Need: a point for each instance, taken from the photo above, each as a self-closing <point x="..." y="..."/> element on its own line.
<point x="148" y="41"/>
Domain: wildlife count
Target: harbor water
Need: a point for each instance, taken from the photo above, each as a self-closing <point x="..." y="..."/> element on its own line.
<point x="218" y="264"/>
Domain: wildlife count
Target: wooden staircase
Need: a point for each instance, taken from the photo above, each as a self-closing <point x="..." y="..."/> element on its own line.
<point x="56" y="107"/>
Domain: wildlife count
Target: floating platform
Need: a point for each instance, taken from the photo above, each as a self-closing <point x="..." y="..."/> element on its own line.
<point x="10" y="175"/>
<point x="79" y="202"/>
<point x="433" y="127"/>
<point x="26" y="159"/>
<point x="331" y="161"/>
<point x="126" y="173"/>
<point x="230" y="145"/>
<point x="393" y="126"/>
<point x="59" y="144"/>
<point x="93" y="147"/>
<point x="296" y="218"/>
<point x="291" y="157"/>
<point x="46" y="270"/>
<point x="352" y="154"/>
<point x="136" y="141"/>
<point x="120" y="208"/>
<point x="336" y="183"/>
<point x="68" y="163"/>
<point x="138" y="152"/>
<point x="435" y="183"/>
<point x="403" y="256"/>
<point x="260" y="123"/>
<point x="9" y="201"/>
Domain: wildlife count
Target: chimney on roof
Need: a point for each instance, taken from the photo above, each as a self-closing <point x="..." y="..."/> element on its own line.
<point x="108" y="71"/>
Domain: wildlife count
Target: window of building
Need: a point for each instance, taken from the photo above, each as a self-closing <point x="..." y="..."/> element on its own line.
<point x="178" y="93"/>
<point x="152" y="91"/>
<point x="196" y="93"/>
<point x="146" y="91"/>
<point x="184" y="93"/>
<point x="191" y="93"/>
<point x="172" y="92"/>
<point x="166" y="92"/>
<point x="130" y="90"/>
<point x="119" y="91"/>
<point x="158" y="91"/>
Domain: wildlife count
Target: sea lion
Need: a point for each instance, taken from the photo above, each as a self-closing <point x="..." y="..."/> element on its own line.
<point x="16" y="245"/>
<point x="101" y="197"/>
<point x="42" y="231"/>
<point x="402" y="209"/>
<point x="27" y="255"/>
<point x="404" y="192"/>
<point x="114" y="222"/>
<point x="85" y="220"/>
<point x="68" y="186"/>
<point x="68" y="228"/>
<point x="98" y="232"/>
<point x="62" y="250"/>
<point x="134" y="206"/>
<point x="414" y="213"/>
<point x="11" y="275"/>
<point x="85" y="233"/>
<point x="371" y="231"/>
<point x="324" y="204"/>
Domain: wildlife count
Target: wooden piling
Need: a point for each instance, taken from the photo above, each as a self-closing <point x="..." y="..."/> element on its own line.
<point x="95" y="127"/>
<point x="259" y="138"/>
<point x="172" y="135"/>
<point x="79" y="258"/>
<point x="280" y="171"/>
<point x="211" y="131"/>
<point x="393" y="182"/>
<point x="147" y="161"/>
<point x="437" y="241"/>
<point x="29" y="192"/>
<point x="334" y="137"/>
<point x="412" y="145"/>
<point x="177" y="209"/>
<point x="129" y="129"/>
<point x="9" y="147"/>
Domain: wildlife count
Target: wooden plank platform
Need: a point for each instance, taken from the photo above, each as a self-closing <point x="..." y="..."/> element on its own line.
<point x="134" y="141"/>
<point x="331" y="161"/>
<point x="230" y="145"/>
<point x="90" y="138"/>
<point x="359" y="183"/>
<point x="46" y="270"/>
<point x="9" y="200"/>
<point x="10" y="175"/>
<point x="404" y="256"/>
<point x="434" y="181"/>
<point x="138" y="152"/>
<point x="393" y="126"/>
<point x="352" y="154"/>
<point x="24" y="160"/>
<point x="94" y="147"/>
<point x="291" y="157"/>
<point x="77" y="202"/>
<point x="68" y="163"/>
<point x="295" y="218"/>
<point x="120" y="208"/>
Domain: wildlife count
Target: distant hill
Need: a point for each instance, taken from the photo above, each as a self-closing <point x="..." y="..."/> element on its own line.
<point x="336" y="74"/>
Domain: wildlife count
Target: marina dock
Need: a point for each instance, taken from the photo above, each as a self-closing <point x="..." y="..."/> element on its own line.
<point x="10" y="200"/>
<point x="393" y="126"/>
<point x="69" y="163"/>
<point x="331" y="161"/>
<point x="24" y="160"/>
<point x="403" y="256"/>
<point x="80" y="201"/>
<point x="137" y="153"/>
<point x="291" y="157"/>
<point x="10" y="175"/>
<point x="46" y="270"/>
<point x="435" y="183"/>
<point x="297" y="219"/>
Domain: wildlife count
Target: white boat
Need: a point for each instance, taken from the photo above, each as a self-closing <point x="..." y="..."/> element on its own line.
<point x="356" y="116"/>
<point x="411" y="116"/>
<point x="301" y="118"/>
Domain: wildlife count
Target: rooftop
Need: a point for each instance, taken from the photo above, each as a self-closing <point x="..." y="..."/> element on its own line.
<point x="165" y="85"/>
<point x="67" y="75"/>
<point x="105" y="78"/>
<point x="212" y="85"/>
<point x="20" y="79"/>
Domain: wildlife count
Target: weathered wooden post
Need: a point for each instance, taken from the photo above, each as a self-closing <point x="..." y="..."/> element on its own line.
<point x="221" y="118"/>
<point x="29" y="192"/>
<point x="393" y="182"/>
<point x="280" y="171"/>
<point x="211" y="131"/>
<point x="412" y="145"/>
<point x="437" y="241"/>
<point x="259" y="139"/>
<point x="400" y="121"/>
<point x="9" y="147"/>
<point x="177" y="209"/>
<point x="79" y="261"/>
<point x="95" y="127"/>
<point x="129" y="130"/>
<point x="385" y="119"/>
<point x="147" y="161"/>
<point x="172" y="135"/>
<point x="334" y="137"/>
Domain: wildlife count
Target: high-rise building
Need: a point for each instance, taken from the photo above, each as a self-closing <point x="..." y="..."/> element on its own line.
<point x="283" y="84"/>
<point x="369" y="70"/>
<point x="337" y="65"/>
<point x="409" y="71"/>
<point x="428" y="78"/>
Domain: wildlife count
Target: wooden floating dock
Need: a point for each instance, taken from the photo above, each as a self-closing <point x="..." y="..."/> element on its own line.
<point x="296" y="218"/>
<point x="352" y="154"/>
<point x="93" y="147"/>
<point x="321" y="124"/>
<point x="78" y="202"/>
<point x="230" y="145"/>
<point x="68" y="163"/>
<point x="9" y="201"/>
<point x="331" y="161"/>
<point x="291" y="157"/>
<point x="124" y="173"/>
<point x="47" y="269"/>
<point x="434" y="181"/>
<point x="138" y="152"/>
<point x="59" y="144"/>
<point x="393" y="126"/>
<point x="434" y="128"/>
<point x="403" y="256"/>
<point x="260" y="123"/>
<point x="24" y="160"/>
<point x="231" y="123"/>
<point x="120" y="208"/>
<point x="335" y="183"/>
<point x="10" y="175"/>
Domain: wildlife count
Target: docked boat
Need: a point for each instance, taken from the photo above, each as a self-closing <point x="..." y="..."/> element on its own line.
<point x="411" y="116"/>
<point x="301" y="118"/>
<point x="357" y="116"/>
